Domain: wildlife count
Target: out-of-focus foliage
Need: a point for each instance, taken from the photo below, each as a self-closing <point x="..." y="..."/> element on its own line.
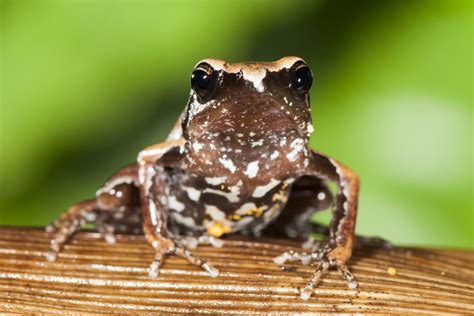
<point x="86" y="84"/>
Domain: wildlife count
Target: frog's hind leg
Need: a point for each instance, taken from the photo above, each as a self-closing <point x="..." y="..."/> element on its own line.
<point x="118" y="200"/>
<point x="308" y="195"/>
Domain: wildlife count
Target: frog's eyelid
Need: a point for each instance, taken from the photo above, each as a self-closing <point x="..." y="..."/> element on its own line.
<point x="248" y="67"/>
<point x="217" y="64"/>
<point x="288" y="62"/>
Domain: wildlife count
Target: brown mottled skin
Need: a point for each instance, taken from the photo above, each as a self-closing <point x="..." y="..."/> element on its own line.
<point x="237" y="161"/>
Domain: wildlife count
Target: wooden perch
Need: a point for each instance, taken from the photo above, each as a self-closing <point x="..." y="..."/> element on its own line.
<point x="92" y="276"/>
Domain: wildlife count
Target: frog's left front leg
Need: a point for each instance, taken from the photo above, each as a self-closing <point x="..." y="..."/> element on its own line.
<point x="154" y="194"/>
<point x="338" y="250"/>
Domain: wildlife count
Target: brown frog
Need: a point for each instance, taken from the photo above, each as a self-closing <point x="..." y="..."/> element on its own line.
<point x="236" y="161"/>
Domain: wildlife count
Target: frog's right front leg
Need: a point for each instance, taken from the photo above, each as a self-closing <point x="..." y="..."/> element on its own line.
<point x="117" y="201"/>
<point x="153" y="195"/>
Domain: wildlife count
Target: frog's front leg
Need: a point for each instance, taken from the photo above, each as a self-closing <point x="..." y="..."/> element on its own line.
<point x="154" y="194"/>
<point x="116" y="200"/>
<point x="338" y="249"/>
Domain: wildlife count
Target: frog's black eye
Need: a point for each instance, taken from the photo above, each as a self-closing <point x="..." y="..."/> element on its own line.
<point x="203" y="80"/>
<point x="301" y="78"/>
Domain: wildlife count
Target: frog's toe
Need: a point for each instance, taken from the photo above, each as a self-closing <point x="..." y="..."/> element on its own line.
<point x="155" y="266"/>
<point x="321" y="270"/>
<point x="319" y="256"/>
<point x="197" y="261"/>
<point x="62" y="233"/>
<point x="107" y="231"/>
<point x="166" y="247"/>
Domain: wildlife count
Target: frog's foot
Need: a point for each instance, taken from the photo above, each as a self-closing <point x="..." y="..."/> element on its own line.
<point x="107" y="231"/>
<point x="67" y="224"/>
<point x="324" y="257"/>
<point x="166" y="247"/>
<point x="205" y="239"/>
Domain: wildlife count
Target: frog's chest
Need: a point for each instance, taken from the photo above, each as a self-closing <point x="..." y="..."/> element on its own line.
<point x="209" y="204"/>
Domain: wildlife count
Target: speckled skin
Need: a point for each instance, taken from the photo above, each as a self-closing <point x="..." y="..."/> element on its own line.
<point x="237" y="161"/>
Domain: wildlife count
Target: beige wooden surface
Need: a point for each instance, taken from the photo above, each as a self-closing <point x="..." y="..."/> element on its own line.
<point x="92" y="276"/>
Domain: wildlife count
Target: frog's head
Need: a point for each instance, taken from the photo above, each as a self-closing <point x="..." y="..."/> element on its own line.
<point x="251" y="98"/>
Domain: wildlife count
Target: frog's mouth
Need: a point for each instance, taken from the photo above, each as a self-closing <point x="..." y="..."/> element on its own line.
<point x="250" y="116"/>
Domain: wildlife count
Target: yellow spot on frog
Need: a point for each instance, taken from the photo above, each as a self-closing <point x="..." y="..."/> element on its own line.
<point x="280" y="196"/>
<point x="217" y="229"/>
<point x="235" y="217"/>
<point x="256" y="211"/>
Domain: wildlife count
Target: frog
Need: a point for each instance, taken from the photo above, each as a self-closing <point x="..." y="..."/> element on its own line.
<point x="236" y="162"/>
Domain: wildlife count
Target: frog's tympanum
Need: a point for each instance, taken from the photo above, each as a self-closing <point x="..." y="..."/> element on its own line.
<point x="236" y="161"/>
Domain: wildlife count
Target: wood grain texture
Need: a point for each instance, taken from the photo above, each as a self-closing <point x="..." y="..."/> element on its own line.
<point x="92" y="276"/>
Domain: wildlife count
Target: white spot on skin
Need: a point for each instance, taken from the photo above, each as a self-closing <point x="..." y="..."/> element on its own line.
<point x="175" y="204"/>
<point x="153" y="213"/>
<point x="257" y="143"/>
<point x="274" y="155"/>
<point x="345" y="192"/>
<point x="252" y="134"/>
<point x="197" y="146"/>
<point x="232" y="196"/>
<point x="310" y="128"/>
<point x="214" y="212"/>
<point x="297" y="145"/>
<point x="193" y="194"/>
<point x="252" y="169"/>
<point x="261" y="190"/>
<point x="196" y="107"/>
<point x="256" y="77"/>
<point x="215" y="180"/>
<point x="245" y="207"/>
<point x="162" y="200"/>
<point x="228" y="164"/>
<point x="186" y="221"/>
<point x="111" y="184"/>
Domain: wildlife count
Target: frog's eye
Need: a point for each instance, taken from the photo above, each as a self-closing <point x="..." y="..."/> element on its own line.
<point x="203" y="80"/>
<point x="301" y="78"/>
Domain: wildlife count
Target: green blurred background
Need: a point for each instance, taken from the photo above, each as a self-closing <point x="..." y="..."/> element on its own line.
<point x="86" y="84"/>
